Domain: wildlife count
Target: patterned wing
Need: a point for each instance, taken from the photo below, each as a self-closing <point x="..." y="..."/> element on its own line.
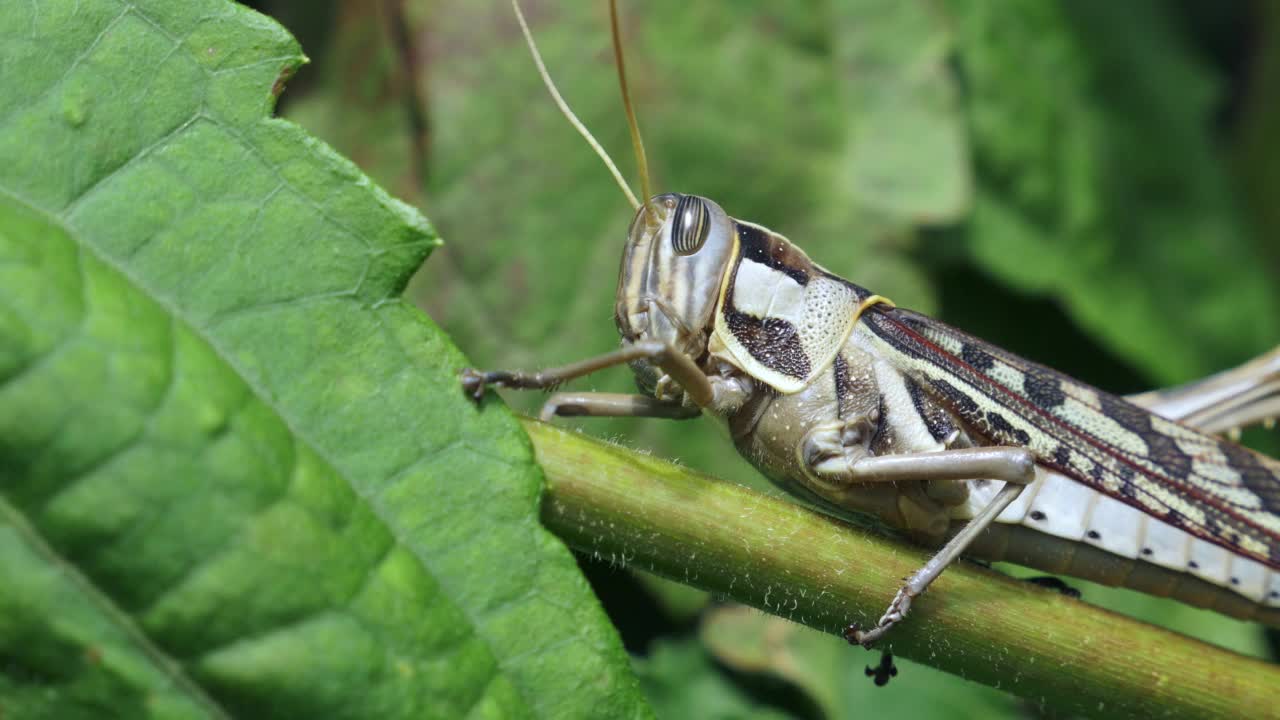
<point x="1209" y="487"/>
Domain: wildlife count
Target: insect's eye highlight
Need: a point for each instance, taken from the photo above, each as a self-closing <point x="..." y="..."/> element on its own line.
<point x="690" y="225"/>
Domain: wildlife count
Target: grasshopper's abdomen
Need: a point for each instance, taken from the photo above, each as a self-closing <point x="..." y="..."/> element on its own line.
<point x="1062" y="526"/>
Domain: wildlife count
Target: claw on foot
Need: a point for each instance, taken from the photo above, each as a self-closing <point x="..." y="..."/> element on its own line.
<point x="473" y="383"/>
<point x="850" y="633"/>
<point x="854" y="635"/>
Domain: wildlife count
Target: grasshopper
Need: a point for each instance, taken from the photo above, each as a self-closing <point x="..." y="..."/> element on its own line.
<point x="858" y="406"/>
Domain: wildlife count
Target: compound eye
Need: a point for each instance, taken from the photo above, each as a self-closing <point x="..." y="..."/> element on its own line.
<point x="690" y="225"/>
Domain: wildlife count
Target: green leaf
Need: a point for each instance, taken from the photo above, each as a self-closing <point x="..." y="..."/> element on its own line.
<point x="908" y="150"/>
<point x="1257" y="140"/>
<point x="1099" y="182"/>
<point x="237" y="475"/>
<point x="679" y="601"/>
<point x="682" y="681"/>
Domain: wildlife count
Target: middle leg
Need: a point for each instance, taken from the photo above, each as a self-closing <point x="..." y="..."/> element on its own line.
<point x="1013" y="465"/>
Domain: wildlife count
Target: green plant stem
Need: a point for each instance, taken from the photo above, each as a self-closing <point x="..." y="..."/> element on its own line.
<point x="1060" y="653"/>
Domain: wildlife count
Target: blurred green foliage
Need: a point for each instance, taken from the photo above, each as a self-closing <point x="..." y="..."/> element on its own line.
<point x="229" y="449"/>
<point x="1085" y="182"/>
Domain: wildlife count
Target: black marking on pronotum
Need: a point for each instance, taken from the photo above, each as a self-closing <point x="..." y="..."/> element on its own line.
<point x="1037" y="515"/>
<point x="1094" y="535"/>
<point x="690" y="224"/>
<point x="1043" y="389"/>
<point x="773" y="342"/>
<point x="976" y="357"/>
<point x="761" y="247"/>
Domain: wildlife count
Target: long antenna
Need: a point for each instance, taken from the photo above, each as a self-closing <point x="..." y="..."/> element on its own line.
<point x="573" y="119"/>
<point x="637" y="144"/>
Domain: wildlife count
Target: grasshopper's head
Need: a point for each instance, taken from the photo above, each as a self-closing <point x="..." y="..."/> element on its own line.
<point x="677" y="252"/>
<point x="678" y="247"/>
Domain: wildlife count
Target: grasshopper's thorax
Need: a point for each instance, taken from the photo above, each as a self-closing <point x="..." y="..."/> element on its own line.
<point x="782" y="318"/>
<point x="678" y="249"/>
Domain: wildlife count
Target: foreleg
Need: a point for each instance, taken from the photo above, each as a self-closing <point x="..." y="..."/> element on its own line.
<point x="678" y="366"/>
<point x="598" y="404"/>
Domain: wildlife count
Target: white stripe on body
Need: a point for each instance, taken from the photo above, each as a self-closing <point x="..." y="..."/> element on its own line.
<point x="761" y="291"/>
<point x="909" y="428"/>
<point x="1070" y="510"/>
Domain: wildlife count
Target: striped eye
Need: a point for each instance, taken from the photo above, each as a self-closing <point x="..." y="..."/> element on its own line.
<point x="690" y="226"/>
